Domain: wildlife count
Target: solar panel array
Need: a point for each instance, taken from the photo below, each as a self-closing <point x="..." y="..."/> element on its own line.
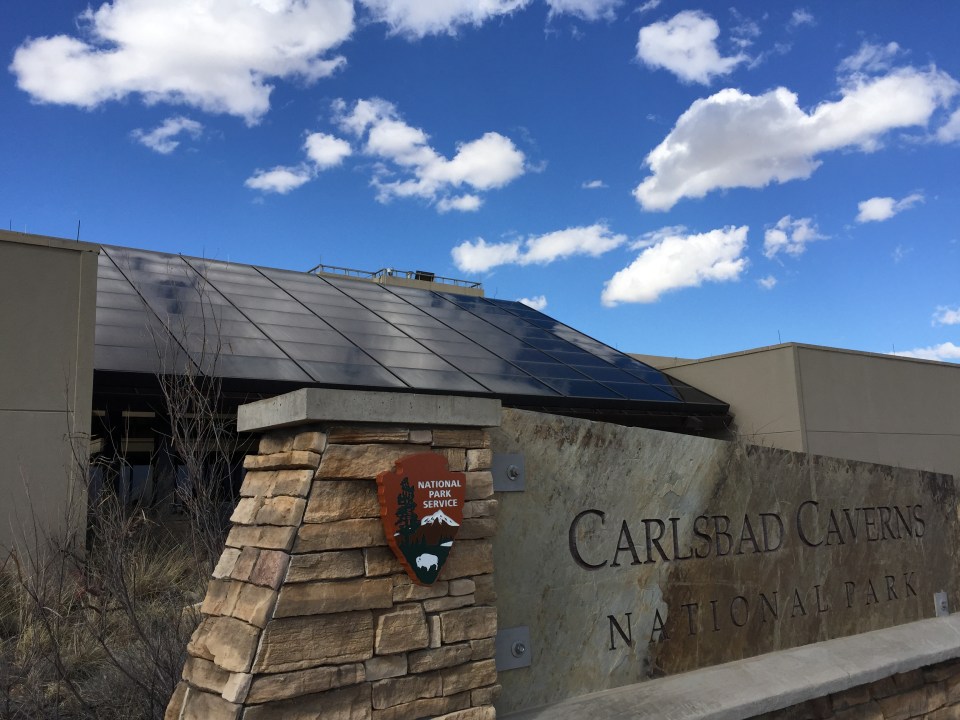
<point x="156" y="312"/>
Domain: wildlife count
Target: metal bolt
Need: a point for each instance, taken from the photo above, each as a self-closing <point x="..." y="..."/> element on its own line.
<point x="518" y="649"/>
<point x="513" y="472"/>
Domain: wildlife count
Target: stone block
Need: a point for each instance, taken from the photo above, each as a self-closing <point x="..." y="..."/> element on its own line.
<point x="290" y="460"/>
<point x="269" y="569"/>
<point x="474" y="713"/>
<point x="456" y="458"/>
<point x="226" y="563"/>
<point x="468" y="624"/>
<point x="481" y="459"/>
<point x="228" y="642"/>
<point x="346" y="703"/>
<point x="245" y="563"/>
<point x="952" y="689"/>
<point x="848" y="698"/>
<point x="237" y="687"/>
<point x="483" y="649"/>
<point x="175" y="706"/>
<point x="469" y="676"/>
<point x="279" y="441"/>
<point x="434" y="605"/>
<point x="282" y="686"/>
<point x="198" y="705"/>
<point x="485" y="695"/>
<point x="941" y="671"/>
<point x="896" y="684"/>
<point x="381" y="667"/>
<point x="332" y="500"/>
<point x="480" y="508"/>
<point x="245" y="513"/>
<point x="486" y="592"/>
<point x="401" y="630"/>
<point x="364" y="435"/>
<point x="438" y="658"/>
<point x="254" y="604"/>
<point x="476" y="528"/>
<point x="205" y="675"/>
<point x="479" y="485"/>
<point x="334" y="596"/>
<point x="281" y="510"/>
<point x="335" y="565"/>
<point x="436" y="632"/>
<point x="423" y="708"/>
<point x="462" y="586"/>
<point x="269" y="537"/>
<point x="405" y="591"/>
<point x="340" y="535"/>
<point x="951" y="712"/>
<point x="381" y="561"/>
<point x="362" y="461"/>
<point x="421" y="437"/>
<point x="270" y="483"/>
<point x="220" y="598"/>
<point x="399" y="691"/>
<point x="912" y="703"/>
<point x="464" y="438"/>
<point x="304" y="642"/>
<point x="468" y="557"/>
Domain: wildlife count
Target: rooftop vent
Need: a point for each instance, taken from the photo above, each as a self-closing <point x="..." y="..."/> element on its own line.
<point x="414" y="278"/>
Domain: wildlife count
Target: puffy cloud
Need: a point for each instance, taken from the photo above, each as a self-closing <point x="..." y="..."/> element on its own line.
<point x="679" y="261"/>
<point x="162" y="138"/>
<point x="418" y="18"/>
<point x="538" y="302"/>
<point x="592" y="240"/>
<point x="801" y="17"/>
<point x="878" y="209"/>
<point x="323" y="152"/>
<point x="417" y="170"/>
<point x="790" y="236"/>
<point x="768" y="282"/>
<point x="586" y="9"/>
<point x="870" y="58"/>
<point x="733" y="139"/>
<point x="217" y="55"/>
<point x="280" y="179"/>
<point x="944" y="352"/>
<point x="946" y="316"/>
<point x="950" y="131"/>
<point x="326" y="151"/>
<point x="686" y="46"/>
<point x="593" y="184"/>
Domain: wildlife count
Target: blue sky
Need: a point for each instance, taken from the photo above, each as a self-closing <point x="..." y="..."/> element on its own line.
<point x="672" y="178"/>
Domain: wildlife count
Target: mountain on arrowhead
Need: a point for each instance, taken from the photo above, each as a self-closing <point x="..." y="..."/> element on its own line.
<point x="438" y="517"/>
<point x="435" y="529"/>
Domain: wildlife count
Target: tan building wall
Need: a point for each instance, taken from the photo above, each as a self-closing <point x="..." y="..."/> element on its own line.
<point x="48" y="300"/>
<point x="841" y="403"/>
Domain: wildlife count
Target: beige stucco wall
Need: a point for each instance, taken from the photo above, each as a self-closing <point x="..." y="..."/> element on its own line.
<point x="48" y="297"/>
<point x="883" y="409"/>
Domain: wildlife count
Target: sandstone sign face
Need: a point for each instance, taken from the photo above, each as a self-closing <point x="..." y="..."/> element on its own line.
<point x="635" y="553"/>
<point x="421" y="505"/>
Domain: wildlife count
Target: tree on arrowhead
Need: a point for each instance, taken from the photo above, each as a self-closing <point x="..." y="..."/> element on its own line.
<point x="407" y="520"/>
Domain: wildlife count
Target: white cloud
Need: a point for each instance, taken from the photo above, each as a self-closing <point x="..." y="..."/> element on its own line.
<point x="686" y="46"/>
<point x="801" y="17"/>
<point x="878" y="209"/>
<point x="280" y="179"/>
<point x="326" y="151"/>
<point x="162" y="138"/>
<point x="768" y="282"/>
<point x="950" y="131"/>
<point x="648" y="6"/>
<point x="946" y="316"/>
<point x="733" y="139"/>
<point x="217" y="55"/>
<point x="870" y="58"/>
<point x="592" y="240"/>
<point x="586" y="9"/>
<point x="679" y="261"/>
<point x="538" y="302"/>
<point x="410" y="167"/>
<point x="944" y="352"/>
<point x="419" y="18"/>
<point x="790" y="236"/>
<point x="593" y="185"/>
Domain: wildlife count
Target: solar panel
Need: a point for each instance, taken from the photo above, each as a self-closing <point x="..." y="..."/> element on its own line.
<point x="264" y="324"/>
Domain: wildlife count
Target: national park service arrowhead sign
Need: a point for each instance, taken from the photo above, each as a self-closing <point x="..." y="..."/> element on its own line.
<point x="421" y="505"/>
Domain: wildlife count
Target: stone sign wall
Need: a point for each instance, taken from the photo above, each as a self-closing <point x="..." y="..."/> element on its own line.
<point x="309" y="614"/>
<point x="634" y="553"/>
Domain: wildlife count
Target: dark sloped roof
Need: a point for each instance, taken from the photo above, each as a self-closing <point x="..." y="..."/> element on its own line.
<point x="156" y="311"/>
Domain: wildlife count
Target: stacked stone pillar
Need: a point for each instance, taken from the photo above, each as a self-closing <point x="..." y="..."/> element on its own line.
<point x="308" y="613"/>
